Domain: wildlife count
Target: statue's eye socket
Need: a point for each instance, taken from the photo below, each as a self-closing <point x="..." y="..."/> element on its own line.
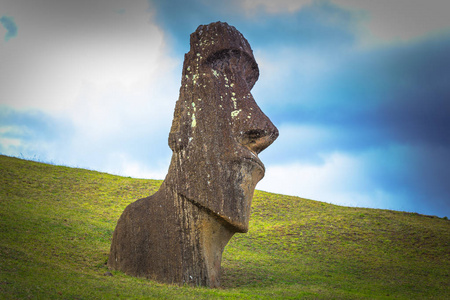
<point x="223" y="55"/>
<point x="247" y="65"/>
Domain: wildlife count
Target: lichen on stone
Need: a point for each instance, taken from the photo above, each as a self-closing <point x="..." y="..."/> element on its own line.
<point x="235" y="113"/>
<point x="194" y="78"/>
<point x="234" y="102"/>
<point x="194" y="121"/>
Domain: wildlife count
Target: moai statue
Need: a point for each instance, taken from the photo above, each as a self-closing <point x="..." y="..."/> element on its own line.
<point x="178" y="234"/>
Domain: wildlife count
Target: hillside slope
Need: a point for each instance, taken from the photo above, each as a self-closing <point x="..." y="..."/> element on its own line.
<point x="56" y="225"/>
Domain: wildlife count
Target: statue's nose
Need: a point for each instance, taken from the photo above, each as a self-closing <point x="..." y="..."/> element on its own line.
<point x="257" y="140"/>
<point x="258" y="131"/>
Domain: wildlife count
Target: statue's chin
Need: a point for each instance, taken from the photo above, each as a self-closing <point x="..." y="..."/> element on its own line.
<point x="227" y="194"/>
<point x="249" y="174"/>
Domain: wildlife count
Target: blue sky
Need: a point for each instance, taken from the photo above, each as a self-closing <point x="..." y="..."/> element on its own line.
<point x="359" y="90"/>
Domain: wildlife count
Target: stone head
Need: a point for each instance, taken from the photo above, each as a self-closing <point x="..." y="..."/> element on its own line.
<point x="218" y="130"/>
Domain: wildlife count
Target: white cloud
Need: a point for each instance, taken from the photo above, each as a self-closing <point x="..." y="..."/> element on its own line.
<point x="389" y="20"/>
<point x="386" y="20"/>
<point x="274" y="6"/>
<point x="14" y="130"/>
<point x="127" y="166"/>
<point x="341" y="179"/>
<point x="61" y="47"/>
<point x="300" y="70"/>
<point x="396" y="176"/>
<point x="9" y="145"/>
<point x="104" y="67"/>
<point x="332" y="181"/>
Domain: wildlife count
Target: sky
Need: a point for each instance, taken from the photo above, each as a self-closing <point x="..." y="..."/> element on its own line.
<point x="359" y="90"/>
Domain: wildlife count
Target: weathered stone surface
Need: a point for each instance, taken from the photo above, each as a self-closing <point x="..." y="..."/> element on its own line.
<point x="178" y="234"/>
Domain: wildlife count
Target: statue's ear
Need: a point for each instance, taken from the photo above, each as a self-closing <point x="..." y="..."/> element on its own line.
<point x="173" y="141"/>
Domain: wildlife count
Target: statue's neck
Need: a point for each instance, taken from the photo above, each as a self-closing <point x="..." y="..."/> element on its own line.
<point x="203" y="237"/>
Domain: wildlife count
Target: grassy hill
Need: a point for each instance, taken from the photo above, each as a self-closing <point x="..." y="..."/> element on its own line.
<point x="56" y="225"/>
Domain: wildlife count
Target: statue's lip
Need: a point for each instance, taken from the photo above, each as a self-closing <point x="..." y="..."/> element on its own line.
<point x="255" y="160"/>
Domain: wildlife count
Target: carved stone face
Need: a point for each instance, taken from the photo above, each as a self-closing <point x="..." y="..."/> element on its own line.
<point x="218" y="129"/>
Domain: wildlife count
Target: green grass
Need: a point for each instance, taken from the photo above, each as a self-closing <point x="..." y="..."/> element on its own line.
<point x="56" y="225"/>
